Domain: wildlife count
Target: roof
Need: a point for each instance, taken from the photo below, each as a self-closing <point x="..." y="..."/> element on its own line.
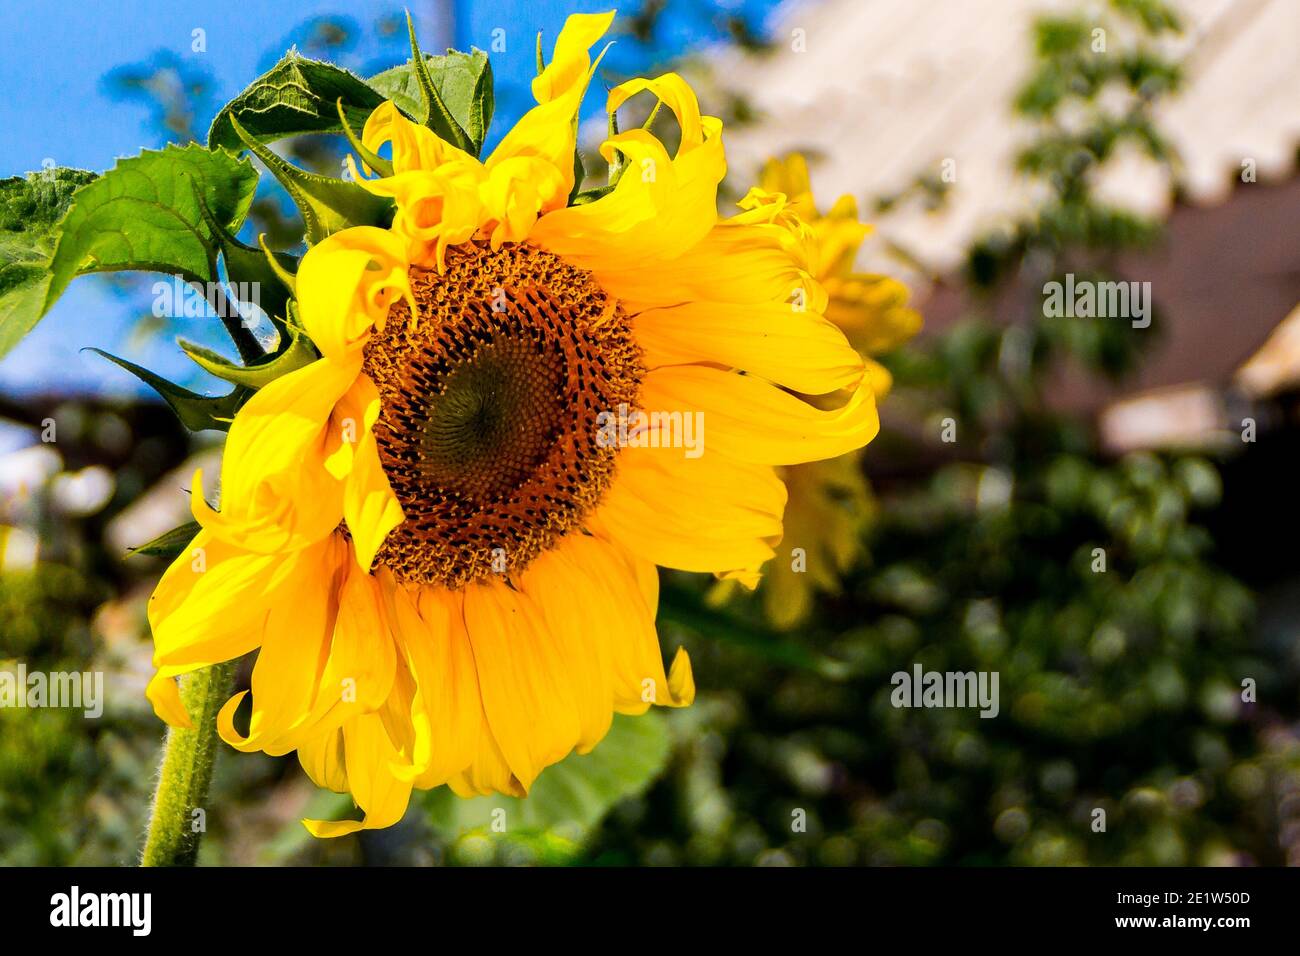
<point x="886" y="89"/>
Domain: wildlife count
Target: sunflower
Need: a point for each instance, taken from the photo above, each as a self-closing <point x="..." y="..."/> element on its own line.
<point x="443" y="554"/>
<point x="830" y="501"/>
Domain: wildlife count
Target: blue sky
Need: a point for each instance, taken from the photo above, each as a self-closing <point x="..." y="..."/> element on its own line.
<point x="53" y="60"/>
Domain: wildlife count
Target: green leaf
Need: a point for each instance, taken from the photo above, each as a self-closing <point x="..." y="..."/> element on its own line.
<point x="196" y="412"/>
<point x="327" y="205"/>
<point x="171" y="543"/>
<point x="30" y="208"/>
<point x="399" y="84"/>
<point x="683" y="606"/>
<point x="297" y="352"/>
<point x="145" y="213"/>
<point x="452" y="95"/>
<point x="295" y="96"/>
<point x="466" y="84"/>
<point x="574" y="794"/>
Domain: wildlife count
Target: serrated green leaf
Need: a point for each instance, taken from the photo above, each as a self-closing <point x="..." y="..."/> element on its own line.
<point x="145" y="214"/>
<point x="170" y="543"/>
<point x="576" y="793"/>
<point x="399" y="84"/>
<point x="196" y="412"/>
<point x="297" y="352"/>
<point x="327" y="205"/>
<point x="295" y="96"/>
<point x="453" y="94"/>
<point x="30" y="209"/>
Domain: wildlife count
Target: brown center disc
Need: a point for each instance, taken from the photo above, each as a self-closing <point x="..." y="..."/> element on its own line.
<point x="490" y="395"/>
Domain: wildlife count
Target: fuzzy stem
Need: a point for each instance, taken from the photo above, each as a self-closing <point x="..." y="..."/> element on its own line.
<point x="186" y="770"/>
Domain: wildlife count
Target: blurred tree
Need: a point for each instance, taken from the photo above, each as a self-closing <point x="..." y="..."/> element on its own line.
<point x="1087" y="585"/>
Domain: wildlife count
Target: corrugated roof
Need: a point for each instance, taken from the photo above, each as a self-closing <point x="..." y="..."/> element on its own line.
<point x="889" y="88"/>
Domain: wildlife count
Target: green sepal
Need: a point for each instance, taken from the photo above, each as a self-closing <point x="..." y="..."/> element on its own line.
<point x="579" y="176"/>
<point x="327" y="205"/>
<point x="591" y="195"/>
<point x="372" y="159"/>
<point x="246" y="264"/>
<point x="297" y="352"/>
<point x="196" y="412"/>
<point x="579" y="170"/>
<point x="170" y="544"/>
<point x="434" y="111"/>
<point x="463" y="82"/>
<point x="279" y="264"/>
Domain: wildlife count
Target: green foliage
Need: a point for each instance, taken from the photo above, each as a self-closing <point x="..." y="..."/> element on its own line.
<point x="178" y="211"/>
<point x="30" y="208"/>
<point x="146" y="214"/>
<point x="170" y="544"/>
<point x="197" y="412"/>
<point x="297" y="352"/>
<point x="294" y="97"/>
<point x="570" y="797"/>
<point x="1088" y="585"/>
<point x="327" y="205"/>
<point x="456" y="93"/>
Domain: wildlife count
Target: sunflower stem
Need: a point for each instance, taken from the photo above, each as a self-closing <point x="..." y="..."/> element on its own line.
<point x="174" y="827"/>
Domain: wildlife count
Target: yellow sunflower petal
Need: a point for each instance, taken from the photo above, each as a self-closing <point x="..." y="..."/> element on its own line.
<point x="345" y="284"/>
<point x="571" y="62"/>
<point x="789" y="176"/>
<point x="488" y="773"/>
<point x="275" y="488"/>
<point x="564" y="592"/>
<point x="362" y="656"/>
<point x="659" y="210"/>
<point x="872" y="310"/>
<point x="528" y="691"/>
<point x="734" y="263"/>
<point x="548" y="131"/>
<point x="370" y="508"/>
<point x="165" y="696"/>
<point x="751" y="420"/>
<point x="435" y="208"/>
<point x="368" y="755"/>
<point x="674" y="93"/>
<point x="211" y="602"/>
<point x="287" y="675"/>
<point x="322" y="758"/>
<point x="415" y="147"/>
<point x="446" y="710"/>
<point x="710" y="514"/>
<point x="799" y="350"/>
<point x="592" y="588"/>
